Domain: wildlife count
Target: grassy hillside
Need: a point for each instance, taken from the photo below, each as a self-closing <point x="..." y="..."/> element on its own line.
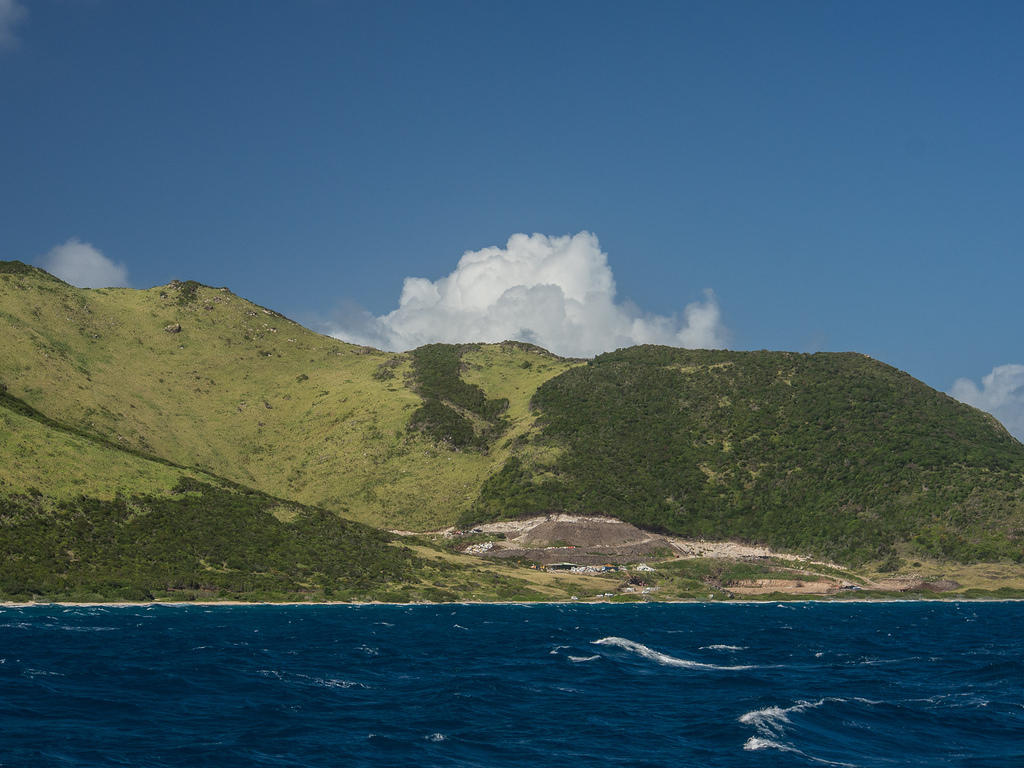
<point x="835" y="454"/>
<point x="204" y="378"/>
<point x="85" y="518"/>
<point x="69" y="464"/>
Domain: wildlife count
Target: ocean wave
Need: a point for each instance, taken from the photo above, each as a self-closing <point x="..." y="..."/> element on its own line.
<point x="29" y="672"/>
<point x="757" y="742"/>
<point x="663" y="658"/>
<point x="68" y="628"/>
<point x="723" y="647"/>
<point x="54" y="626"/>
<point x="581" y="659"/>
<point x="868" y="662"/>
<point x="329" y="682"/>
<point x="297" y="678"/>
<point x="771" y="725"/>
<point x="771" y="720"/>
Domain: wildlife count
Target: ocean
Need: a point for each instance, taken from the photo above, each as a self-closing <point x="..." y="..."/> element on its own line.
<point x="787" y="684"/>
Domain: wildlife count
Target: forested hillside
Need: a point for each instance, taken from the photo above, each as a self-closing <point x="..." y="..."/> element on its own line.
<point x="830" y="453"/>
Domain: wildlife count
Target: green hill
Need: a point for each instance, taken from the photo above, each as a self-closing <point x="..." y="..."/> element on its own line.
<point x="187" y="395"/>
<point x="835" y="454"/>
<point x="203" y="378"/>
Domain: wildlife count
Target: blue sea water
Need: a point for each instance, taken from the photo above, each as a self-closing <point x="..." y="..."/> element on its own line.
<point x="795" y="684"/>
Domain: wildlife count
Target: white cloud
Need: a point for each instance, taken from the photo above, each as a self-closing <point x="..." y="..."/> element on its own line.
<point x="11" y="12"/>
<point x="80" y="264"/>
<point x="1001" y="394"/>
<point x="557" y="292"/>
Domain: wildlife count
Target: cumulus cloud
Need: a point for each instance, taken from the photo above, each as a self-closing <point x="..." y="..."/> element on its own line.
<point x="80" y="264"/>
<point x="1001" y="393"/>
<point x="556" y="292"/>
<point x="11" y="13"/>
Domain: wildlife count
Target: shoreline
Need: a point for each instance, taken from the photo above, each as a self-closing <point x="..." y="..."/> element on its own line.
<point x="242" y="603"/>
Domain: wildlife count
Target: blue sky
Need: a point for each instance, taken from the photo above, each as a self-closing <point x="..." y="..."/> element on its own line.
<point x="843" y="176"/>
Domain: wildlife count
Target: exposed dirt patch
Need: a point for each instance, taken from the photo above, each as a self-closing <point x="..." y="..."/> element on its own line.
<point x="593" y="540"/>
<point x="914" y="584"/>
<point x="787" y="586"/>
<point x="584" y="532"/>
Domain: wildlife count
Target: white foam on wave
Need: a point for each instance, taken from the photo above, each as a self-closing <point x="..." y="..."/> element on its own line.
<point x="30" y="672"/>
<point x="55" y="627"/>
<point x="663" y="658"/>
<point x="297" y="678"/>
<point x="868" y="662"/>
<point x="756" y="742"/>
<point x="435" y="737"/>
<point x="771" y="722"/>
<point x="581" y="659"/>
<point x="773" y="719"/>
<point x="723" y="647"/>
<point x="71" y="628"/>
<point x="337" y="683"/>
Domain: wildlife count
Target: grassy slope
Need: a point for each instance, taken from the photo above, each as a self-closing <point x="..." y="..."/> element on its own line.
<point x="31" y="450"/>
<point x="115" y="525"/>
<point x="243" y="392"/>
<point x="835" y="454"/>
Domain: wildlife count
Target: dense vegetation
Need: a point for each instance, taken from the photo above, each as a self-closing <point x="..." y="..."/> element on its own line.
<point x="202" y="541"/>
<point x="454" y="412"/>
<point x="836" y="454"/>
